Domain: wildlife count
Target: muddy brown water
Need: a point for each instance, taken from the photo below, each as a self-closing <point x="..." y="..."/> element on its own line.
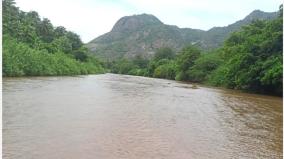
<point x="126" y="117"/>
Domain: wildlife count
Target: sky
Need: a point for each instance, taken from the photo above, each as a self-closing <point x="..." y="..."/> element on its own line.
<point x="92" y="18"/>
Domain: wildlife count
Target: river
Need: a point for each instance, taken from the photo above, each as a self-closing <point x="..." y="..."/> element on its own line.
<point x="112" y="116"/>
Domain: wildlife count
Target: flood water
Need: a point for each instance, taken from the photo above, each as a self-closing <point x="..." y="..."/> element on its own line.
<point x="126" y="117"/>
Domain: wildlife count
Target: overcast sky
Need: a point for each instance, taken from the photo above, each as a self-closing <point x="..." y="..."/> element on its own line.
<point x="92" y="18"/>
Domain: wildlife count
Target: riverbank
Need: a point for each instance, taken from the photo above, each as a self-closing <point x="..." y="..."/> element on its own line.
<point x="210" y="85"/>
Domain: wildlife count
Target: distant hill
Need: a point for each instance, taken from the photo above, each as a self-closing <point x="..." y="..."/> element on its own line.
<point x="143" y="34"/>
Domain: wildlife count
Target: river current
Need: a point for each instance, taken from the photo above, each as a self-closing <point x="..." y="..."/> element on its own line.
<point x="112" y="116"/>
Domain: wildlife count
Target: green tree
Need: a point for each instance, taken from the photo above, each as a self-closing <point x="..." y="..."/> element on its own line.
<point x="74" y="40"/>
<point x="164" y="53"/>
<point x="140" y="61"/>
<point x="59" y="32"/>
<point x="203" y="66"/>
<point x="166" y="70"/>
<point x="253" y="58"/>
<point x="32" y="46"/>
<point x="45" y="31"/>
<point x="185" y="60"/>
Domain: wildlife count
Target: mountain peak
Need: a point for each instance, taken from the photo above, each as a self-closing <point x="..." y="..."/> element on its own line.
<point x="144" y="33"/>
<point x="261" y="15"/>
<point x="130" y="23"/>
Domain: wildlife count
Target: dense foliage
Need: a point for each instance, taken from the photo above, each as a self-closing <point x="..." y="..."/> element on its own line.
<point x="253" y="58"/>
<point x="33" y="46"/>
<point x="250" y="59"/>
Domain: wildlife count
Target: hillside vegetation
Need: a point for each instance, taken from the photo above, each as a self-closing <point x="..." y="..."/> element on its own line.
<point x="143" y="34"/>
<point x="250" y="59"/>
<point x="33" y="46"/>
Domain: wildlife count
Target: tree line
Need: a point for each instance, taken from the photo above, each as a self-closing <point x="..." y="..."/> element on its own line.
<point x="33" y="46"/>
<point x="250" y="59"/>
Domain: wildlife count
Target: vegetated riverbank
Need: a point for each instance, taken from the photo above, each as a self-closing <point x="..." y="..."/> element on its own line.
<point x="208" y="85"/>
<point x="34" y="47"/>
<point x="249" y="60"/>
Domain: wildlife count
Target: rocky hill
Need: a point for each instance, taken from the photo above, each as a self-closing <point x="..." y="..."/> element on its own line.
<point x="143" y="34"/>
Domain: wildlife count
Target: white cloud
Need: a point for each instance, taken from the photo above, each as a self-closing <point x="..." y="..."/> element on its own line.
<point x="91" y="18"/>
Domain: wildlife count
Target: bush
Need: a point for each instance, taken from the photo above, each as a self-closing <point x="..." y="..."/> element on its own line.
<point x="167" y="70"/>
<point x="19" y="60"/>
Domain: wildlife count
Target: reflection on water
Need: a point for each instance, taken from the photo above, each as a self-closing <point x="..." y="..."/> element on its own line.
<point x="113" y="116"/>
